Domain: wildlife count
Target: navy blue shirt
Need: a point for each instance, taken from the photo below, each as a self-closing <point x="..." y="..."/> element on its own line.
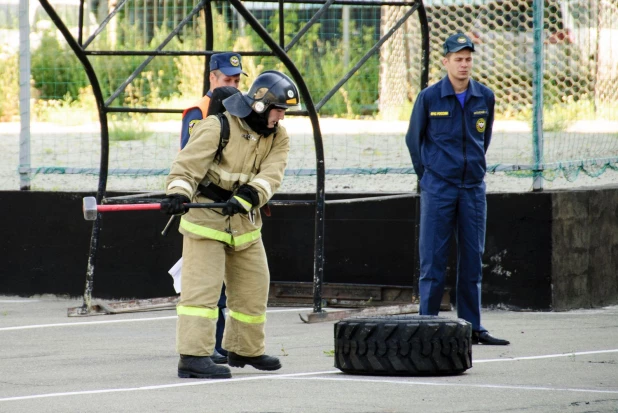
<point x="448" y="140"/>
<point x="461" y="97"/>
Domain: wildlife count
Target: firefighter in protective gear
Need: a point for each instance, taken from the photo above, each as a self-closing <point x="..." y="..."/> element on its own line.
<point x="225" y="71"/>
<point x="225" y="245"/>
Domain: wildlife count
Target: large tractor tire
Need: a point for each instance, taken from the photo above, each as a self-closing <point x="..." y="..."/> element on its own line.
<point x="403" y="345"/>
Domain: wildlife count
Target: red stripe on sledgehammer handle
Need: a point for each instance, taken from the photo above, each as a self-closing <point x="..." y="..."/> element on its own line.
<point x="128" y="207"/>
<point x="147" y="207"/>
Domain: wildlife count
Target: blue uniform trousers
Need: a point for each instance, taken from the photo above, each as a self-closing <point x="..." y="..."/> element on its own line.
<point x="448" y="209"/>
<point x="221" y="323"/>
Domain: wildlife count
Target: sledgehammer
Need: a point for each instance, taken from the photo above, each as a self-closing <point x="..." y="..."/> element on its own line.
<point x="91" y="208"/>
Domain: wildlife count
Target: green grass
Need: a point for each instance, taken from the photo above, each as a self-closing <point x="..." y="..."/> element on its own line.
<point x="128" y="130"/>
<point x="559" y="117"/>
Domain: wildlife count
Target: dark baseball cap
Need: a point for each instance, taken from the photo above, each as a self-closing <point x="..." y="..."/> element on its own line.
<point x="457" y="42"/>
<point x="230" y="64"/>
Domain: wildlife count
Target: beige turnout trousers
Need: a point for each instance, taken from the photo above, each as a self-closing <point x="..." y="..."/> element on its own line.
<point x="206" y="264"/>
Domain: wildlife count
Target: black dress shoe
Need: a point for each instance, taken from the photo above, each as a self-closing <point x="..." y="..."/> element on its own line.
<point x="218" y="358"/>
<point x="201" y="368"/>
<point x="483" y="337"/>
<point x="262" y="362"/>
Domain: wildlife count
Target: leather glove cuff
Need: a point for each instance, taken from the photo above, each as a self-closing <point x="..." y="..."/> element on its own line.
<point x="248" y="194"/>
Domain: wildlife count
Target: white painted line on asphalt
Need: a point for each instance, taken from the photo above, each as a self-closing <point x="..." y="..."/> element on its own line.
<point x="580" y="311"/>
<point x="19" y="301"/>
<point x="481" y="386"/>
<point x="303" y="376"/>
<point x="197" y="382"/>
<point x="126" y="320"/>
<point x="287" y="310"/>
<point x="549" y="356"/>
<point x="83" y="323"/>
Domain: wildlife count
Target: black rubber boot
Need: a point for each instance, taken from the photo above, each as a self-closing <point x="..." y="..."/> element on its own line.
<point x="218" y="358"/>
<point x="262" y="362"/>
<point x="483" y="337"/>
<point x="201" y="368"/>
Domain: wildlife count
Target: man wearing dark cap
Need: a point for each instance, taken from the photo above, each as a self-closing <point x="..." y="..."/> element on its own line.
<point x="225" y="70"/>
<point x="449" y="133"/>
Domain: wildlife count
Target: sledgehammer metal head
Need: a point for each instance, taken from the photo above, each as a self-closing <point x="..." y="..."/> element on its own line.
<point x="89" y="206"/>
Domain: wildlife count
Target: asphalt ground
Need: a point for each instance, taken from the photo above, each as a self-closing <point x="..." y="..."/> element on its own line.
<point x="557" y="362"/>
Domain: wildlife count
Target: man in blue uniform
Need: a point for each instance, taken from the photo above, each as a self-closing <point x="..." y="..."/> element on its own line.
<point x="449" y="133"/>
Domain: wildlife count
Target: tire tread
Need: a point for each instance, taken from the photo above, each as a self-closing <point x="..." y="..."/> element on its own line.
<point x="403" y="345"/>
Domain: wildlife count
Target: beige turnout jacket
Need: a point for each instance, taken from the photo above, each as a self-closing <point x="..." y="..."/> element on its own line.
<point x="248" y="158"/>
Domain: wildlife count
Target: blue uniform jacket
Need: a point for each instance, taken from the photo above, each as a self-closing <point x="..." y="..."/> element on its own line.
<point x="450" y="141"/>
<point x="192" y="115"/>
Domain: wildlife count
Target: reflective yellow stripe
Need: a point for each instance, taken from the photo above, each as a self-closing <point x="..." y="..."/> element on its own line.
<point x="198" y="311"/>
<point x="220" y="235"/>
<point x="250" y="319"/>
<point x="248" y="237"/>
<point x="206" y="232"/>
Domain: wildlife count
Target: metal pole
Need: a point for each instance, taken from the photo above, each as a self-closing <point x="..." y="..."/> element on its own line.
<point x="281" y="23"/>
<point x="425" y="51"/>
<point x="209" y="44"/>
<point x="537" y="96"/>
<point x="24" y="96"/>
<point x="80" y="26"/>
<point x="345" y="17"/>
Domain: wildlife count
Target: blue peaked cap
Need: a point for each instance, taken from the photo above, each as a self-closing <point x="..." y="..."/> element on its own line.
<point x="457" y="42"/>
<point x="230" y="64"/>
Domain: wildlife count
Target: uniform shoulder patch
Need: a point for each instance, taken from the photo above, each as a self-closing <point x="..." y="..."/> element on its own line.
<point x="192" y="124"/>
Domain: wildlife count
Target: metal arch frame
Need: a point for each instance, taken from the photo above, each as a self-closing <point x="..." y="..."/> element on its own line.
<point x="277" y="49"/>
<point x="318" y="263"/>
<point x="104" y="160"/>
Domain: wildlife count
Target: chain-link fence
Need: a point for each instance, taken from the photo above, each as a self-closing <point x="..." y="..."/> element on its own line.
<point x="578" y="68"/>
<point x="138" y="55"/>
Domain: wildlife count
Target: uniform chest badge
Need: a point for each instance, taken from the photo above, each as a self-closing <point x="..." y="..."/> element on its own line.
<point x="481" y="124"/>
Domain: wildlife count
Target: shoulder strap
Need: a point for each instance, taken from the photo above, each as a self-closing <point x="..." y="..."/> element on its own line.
<point x="224" y="136"/>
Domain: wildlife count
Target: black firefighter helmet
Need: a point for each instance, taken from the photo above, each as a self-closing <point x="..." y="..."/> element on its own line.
<point x="270" y="89"/>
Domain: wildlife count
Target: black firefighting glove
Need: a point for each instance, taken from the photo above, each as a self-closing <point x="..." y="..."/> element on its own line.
<point x="173" y="204"/>
<point x="246" y="198"/>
